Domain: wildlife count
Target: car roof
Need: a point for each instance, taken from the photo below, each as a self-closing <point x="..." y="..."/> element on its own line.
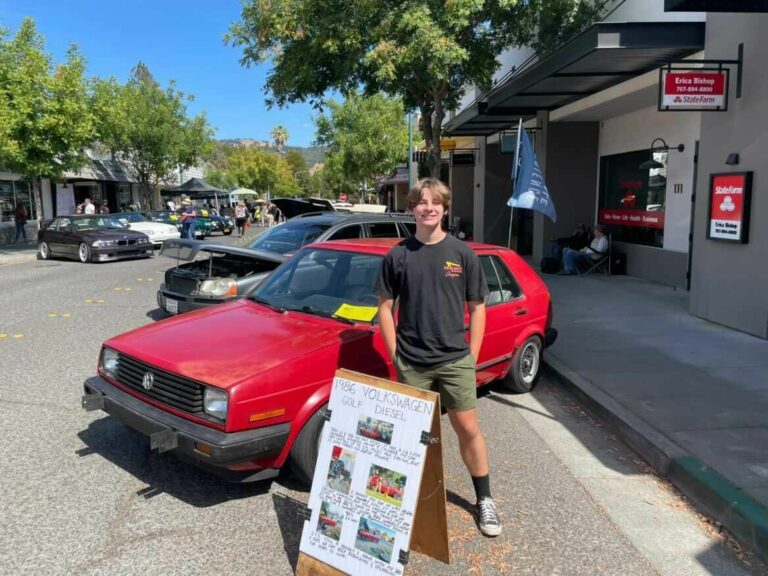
<point x="380" y="246"/>
<point x="344" y="217"/>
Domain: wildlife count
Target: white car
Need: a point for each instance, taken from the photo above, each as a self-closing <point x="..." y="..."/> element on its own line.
<point x="157" y="231"/>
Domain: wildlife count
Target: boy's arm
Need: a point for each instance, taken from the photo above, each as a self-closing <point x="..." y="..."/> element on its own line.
<point x="387" y="323"/>
<point x="476" y="327"/>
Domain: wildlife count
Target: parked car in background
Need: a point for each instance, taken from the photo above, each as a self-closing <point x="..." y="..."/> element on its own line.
<point x="291" y="235"/>
<point x="223" y="224"/>
<point x="208" y="273"/>
<point x="91" y="238"/>
<point x="242" y="388"/>
<point x="203" y="226"/>
<point x="158" y="232"/>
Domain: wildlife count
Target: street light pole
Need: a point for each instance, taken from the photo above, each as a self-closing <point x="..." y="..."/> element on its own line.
<point x="411" y="179"/>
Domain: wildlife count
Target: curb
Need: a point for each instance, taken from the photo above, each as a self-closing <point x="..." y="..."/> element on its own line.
<point x="742" y="515"/>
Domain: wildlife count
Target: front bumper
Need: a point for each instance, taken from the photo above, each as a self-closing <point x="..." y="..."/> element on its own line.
<point x="185" y="302"/>
<point x="109" y="253"/>
<point x="170" y="433"/>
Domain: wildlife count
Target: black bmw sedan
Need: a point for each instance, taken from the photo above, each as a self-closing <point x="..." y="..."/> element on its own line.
<point x="91" y="238"/>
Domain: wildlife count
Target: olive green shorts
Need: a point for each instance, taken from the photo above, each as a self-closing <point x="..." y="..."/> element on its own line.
<point x="456" y="382"/>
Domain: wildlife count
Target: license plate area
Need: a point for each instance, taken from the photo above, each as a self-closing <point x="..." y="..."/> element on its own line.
<point x="171" y="306"/>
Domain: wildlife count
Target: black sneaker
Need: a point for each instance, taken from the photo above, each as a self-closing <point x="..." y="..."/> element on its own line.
<point x="487" y="518"/>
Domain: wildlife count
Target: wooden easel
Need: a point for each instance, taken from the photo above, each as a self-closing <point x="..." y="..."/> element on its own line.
<point x="429" y="534"/>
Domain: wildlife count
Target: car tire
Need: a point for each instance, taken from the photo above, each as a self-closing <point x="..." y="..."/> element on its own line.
<point x="303" y="456"/>
<point x="526" y="367"/>
<point x="84" y="253"/>
<point x="45" y="251"/>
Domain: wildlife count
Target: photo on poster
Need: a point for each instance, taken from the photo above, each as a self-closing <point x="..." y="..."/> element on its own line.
<point x="330" y="521"/>
<point x="386" y="485"/>
<point x="374" y="429"/>
<point x="340" y="470"/>
<point x="375" y="540"/>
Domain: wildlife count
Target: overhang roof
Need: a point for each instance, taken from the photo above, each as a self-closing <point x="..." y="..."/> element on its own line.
<point x="606" y="54"/>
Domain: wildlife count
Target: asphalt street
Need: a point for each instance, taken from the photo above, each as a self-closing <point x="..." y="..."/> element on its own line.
<point x="84" y="495"/>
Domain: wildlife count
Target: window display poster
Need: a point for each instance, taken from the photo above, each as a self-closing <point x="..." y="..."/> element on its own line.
<point x="729" y="201"/>
<point x="367" y="479"/>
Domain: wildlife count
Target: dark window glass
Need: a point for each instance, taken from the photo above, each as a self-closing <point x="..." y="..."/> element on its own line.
<point x="510" y="288"/>
<point x="502" y="286"/>
<point x="632" y="199"/>
<point x="494" y="285"/>
<point x="409" y="228"/>
<point x="347" y="232"/>
<point x="382" y="230"/>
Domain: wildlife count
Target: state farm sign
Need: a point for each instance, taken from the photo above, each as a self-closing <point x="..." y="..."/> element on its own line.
<point x="693" y="90"/>
<point x="729" y="203"/>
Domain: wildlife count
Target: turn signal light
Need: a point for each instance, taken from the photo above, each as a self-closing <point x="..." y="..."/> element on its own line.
<point x="266" y="415"/>
<point x="203" y="448"/>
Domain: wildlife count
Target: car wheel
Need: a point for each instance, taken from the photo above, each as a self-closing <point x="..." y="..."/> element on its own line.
<point x="525" y="368"/>
<point x="45" y="251"/>
<point x="84" y="253"/>
<point x="304" y="451"/>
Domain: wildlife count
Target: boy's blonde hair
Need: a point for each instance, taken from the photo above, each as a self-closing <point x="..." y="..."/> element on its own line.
<point x="440" y="192"/>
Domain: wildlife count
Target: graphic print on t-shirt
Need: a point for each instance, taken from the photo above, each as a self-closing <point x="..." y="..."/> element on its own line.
<point x="452" y="270"/>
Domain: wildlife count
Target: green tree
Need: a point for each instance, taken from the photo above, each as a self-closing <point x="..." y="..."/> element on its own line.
<point x="148" y="126"/>
<point x="366" y="137"/>
<point x="46" y="123"/>
<point x="426" y="51"/>
<point x="279" y="137"/>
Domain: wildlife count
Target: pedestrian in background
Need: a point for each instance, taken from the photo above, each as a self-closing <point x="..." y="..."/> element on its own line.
<point x="241" y="215"/>
<point x="188" y="219"/>
<point x="20" y="217"/>
<point x="88" y="207"/>
<point x="104" y="208"/>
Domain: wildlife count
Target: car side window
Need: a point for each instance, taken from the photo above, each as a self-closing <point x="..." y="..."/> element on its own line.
<point x="354" y="231"/>
<point x="407" y="229"/>
<point x="382" y="230"/>
<point x="65" y="225"/>
<point x="502" y="285"/>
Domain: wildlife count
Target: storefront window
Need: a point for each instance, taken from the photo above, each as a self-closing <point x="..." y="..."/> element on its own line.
<point x="632" y="199"/>
<point x="11" y="192"/>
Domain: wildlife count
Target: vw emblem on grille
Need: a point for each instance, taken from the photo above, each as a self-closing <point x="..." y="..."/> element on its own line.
<point x="148" y="381"/>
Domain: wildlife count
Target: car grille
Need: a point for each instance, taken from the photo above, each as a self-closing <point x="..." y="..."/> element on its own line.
<point x="175" y="391"/>
<point x="126" y="242"/>
<point x="181" y="284"/>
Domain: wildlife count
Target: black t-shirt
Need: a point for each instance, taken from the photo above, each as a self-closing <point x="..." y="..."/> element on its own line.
<point x="432" y="282"/>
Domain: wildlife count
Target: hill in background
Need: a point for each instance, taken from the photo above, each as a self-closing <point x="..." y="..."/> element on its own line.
<point x="312" y="154"/>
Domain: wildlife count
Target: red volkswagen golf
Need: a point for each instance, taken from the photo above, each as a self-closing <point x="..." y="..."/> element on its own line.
<point x="240" y="388"/>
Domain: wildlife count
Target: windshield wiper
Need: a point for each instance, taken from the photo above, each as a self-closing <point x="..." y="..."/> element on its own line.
<point x="322" y="313"/>
<point x="268" y="304"/>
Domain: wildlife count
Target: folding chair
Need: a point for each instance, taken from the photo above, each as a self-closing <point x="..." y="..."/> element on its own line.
<point x="601" y="264"/>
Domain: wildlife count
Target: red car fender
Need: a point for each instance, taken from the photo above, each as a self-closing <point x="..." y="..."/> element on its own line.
<point x="316" y="401"/>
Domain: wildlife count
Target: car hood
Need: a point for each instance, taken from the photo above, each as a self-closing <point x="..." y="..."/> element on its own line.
<point x="153" y="227"/>
<point x="291" y="207"/>
<point x="250" y="339"/>
<point x="113" y="234"/>
<point x="186" y="250"/>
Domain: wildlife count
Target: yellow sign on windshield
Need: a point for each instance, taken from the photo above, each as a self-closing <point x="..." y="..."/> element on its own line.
<point x="358" y="313"/>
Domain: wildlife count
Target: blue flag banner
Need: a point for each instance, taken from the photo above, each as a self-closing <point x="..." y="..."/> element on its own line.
<point x="530" y="191"/>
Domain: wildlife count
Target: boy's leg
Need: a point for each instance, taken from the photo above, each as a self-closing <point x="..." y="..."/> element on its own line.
<point x="472" y="446"/>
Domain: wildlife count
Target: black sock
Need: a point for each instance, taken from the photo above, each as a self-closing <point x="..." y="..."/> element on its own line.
<point x="482" y="486"/>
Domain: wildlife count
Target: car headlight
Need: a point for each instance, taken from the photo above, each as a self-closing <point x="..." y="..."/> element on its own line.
<point x="218" y="287"/>
<point x="143" y="241"/>
<point x="215" y="403"/>
<point x="108" y="362"/>
<point x="102" y="243"/>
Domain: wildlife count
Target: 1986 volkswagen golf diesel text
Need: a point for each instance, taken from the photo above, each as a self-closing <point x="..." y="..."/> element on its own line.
<point x="255" y="400"/>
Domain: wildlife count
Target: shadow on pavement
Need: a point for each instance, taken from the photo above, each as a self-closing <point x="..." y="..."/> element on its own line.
<point x="162" y="473"/>
<point x="158" y="314"/>
<point x="290" y="518"/>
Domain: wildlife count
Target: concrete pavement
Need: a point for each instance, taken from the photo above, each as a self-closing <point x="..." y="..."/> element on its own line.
<point x="690" y="396"/>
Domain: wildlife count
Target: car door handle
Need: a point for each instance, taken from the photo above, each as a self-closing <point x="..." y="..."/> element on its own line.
<point x="521" y="311"/>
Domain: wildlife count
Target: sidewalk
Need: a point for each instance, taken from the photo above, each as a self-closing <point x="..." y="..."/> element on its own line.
<point x="688" y="395"/>
<point x="17" y="253"/>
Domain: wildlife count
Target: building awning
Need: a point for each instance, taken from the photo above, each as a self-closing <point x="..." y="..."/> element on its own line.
<point x="104" y="171"/>
<point x="604" y="55"/>
<point x="400" y="176"/>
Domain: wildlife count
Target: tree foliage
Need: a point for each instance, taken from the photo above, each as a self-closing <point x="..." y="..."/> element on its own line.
<point x="366" y="137"/>
<point x="45" y="121"/>
<point x="425" y="51"/>
<point x="257" y="169"/>
<point x="279" y="137"/>
<point x="149" y="127"/>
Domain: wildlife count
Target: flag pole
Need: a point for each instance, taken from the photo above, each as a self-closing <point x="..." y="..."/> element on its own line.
<point x="515" y="166"/>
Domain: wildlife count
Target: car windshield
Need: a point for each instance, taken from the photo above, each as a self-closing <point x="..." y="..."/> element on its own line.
<point x="94" y="223"/>
<point x="128" y="217"/>
<point x="163" y="216"/>
<point x="289" y="237"/>
<point x="328" y="283"/>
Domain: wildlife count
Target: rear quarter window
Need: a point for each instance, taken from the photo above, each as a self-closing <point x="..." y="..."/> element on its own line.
<point x="382" y="230"/>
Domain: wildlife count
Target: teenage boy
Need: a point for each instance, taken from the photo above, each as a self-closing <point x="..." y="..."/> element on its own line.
<point x="432" y="276"/>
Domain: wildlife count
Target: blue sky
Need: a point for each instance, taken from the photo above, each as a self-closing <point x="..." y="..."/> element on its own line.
<point x="179" y="40"/>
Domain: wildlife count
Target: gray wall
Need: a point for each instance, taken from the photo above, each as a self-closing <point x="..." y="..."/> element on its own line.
<point x="729" y="282"/>
<point x="497" y="192"/>
<point x="662" y="266"/>
<point x="462" y="185"/>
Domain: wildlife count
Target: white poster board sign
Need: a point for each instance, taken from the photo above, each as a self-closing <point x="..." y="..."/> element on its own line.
<point x="368" y="477"/>
<point x="65" y="200"/>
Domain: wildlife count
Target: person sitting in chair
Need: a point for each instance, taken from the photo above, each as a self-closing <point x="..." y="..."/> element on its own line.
<point x="578" y="240"/>
<point x="596" y="250"/>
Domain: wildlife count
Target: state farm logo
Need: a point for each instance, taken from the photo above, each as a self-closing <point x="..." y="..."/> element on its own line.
<point x="729" y="190"/>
